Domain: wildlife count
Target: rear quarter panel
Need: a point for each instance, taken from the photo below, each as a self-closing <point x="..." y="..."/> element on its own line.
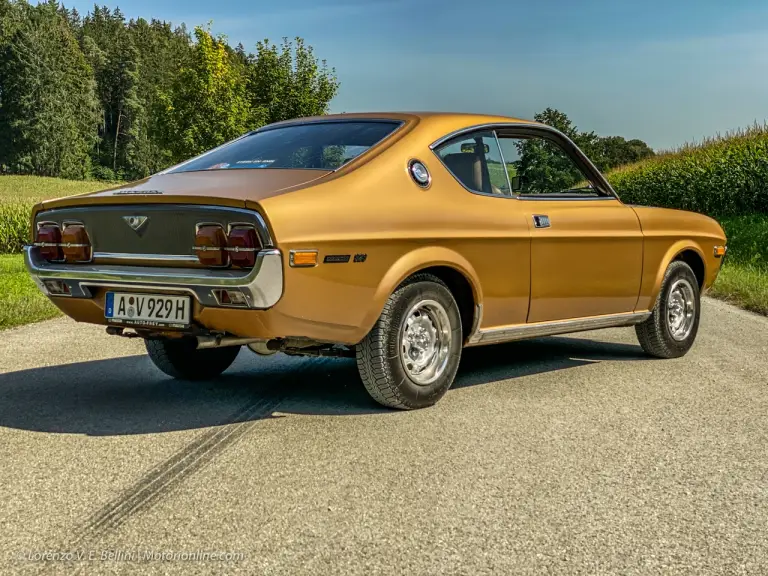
<point x="377" y="210"/>
<point x="667" y="233"/>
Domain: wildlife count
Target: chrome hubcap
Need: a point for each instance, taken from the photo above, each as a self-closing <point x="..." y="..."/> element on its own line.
<point x="681" y="309"/>
<point x="425" y="341"/>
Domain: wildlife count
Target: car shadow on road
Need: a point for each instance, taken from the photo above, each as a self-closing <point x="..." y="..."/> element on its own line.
<point x="130" y="396"/>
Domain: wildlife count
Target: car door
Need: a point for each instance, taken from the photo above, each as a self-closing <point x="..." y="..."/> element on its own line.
<point x="586" y="246"/>
<point x="490" y="231"/>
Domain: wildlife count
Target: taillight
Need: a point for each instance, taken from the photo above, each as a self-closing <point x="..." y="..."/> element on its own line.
<point x="242" y="245"/>
<point x="48" y="239"/>
<point x="211" y="245"/>
<point x="75" y="243"/>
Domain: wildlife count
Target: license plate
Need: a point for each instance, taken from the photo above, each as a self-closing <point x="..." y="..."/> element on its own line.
<point x="147" y="309"/>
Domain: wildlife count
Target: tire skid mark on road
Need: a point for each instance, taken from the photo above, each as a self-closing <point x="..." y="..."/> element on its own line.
<point x="169" y="474"/>
<point x="164" y="478"/>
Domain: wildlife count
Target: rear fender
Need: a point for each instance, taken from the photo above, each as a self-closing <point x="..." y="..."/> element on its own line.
<point x="409" y="264"/>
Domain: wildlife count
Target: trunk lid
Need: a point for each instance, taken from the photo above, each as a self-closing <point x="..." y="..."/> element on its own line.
<point x="219" y="187"/>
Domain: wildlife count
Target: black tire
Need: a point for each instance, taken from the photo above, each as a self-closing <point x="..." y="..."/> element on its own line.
<point x="656" y="334"/>
<point x="180" y="358"/>
<point x="379" y="358"/>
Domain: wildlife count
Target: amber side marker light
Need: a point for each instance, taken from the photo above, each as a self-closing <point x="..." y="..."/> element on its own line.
<point x="211" y="245"/>
<point x="720" y="251"/>
<point x="303" y="258"/>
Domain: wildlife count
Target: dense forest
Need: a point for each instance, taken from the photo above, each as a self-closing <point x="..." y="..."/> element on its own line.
<point x="99" y="96"/>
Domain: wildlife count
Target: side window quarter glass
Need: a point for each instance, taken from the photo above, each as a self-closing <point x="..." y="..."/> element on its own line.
<point x="475" y="160"/>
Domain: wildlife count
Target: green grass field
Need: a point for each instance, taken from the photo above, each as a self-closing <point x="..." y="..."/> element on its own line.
<point x="29" y="190"/>
<point x="18" y="194"/>
<point x="20" y="300"/>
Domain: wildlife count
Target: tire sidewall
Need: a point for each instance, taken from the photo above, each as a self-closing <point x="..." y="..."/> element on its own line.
<point x="414" y="394"/>
<point x="677" y="271"/>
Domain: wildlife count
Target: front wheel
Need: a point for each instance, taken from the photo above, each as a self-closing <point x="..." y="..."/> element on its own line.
<point x="181" y="358"/>
<point x="674" y="322"/>
<point x="410" y="357"/>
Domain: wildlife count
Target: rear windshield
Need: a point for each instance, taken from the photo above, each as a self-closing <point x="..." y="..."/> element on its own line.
<point x="319" y="146"/>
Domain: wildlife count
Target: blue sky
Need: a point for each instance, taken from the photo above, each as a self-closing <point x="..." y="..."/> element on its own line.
<point x="665" y="71"/>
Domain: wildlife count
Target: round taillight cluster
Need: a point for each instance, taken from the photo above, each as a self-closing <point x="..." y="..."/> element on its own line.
<point x="67" y="243"/>
<point x="216" y="248"/>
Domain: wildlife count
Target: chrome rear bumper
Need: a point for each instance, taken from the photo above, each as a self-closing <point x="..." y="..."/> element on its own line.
<point x="262" y="285"/>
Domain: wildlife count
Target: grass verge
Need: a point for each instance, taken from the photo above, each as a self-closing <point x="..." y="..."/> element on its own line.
<point x="20" y="300"/>
<point x="743" y="285"/>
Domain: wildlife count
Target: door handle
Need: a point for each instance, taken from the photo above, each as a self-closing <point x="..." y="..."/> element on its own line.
<point x="541" y="221"/>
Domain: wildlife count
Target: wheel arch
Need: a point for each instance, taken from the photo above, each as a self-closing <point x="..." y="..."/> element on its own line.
<point x="688" y="252"/>
<point x="448" y="265"/>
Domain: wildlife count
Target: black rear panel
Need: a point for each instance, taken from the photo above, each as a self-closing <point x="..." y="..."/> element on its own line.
<point x="169" y="229"/>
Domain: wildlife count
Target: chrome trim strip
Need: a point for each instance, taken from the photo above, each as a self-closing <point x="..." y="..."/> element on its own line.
<point x="176" y="258"/>
<point x="60" y="244"/>
<point x="503" y="163"/>
<point x="538" y="329"/>
<point x="545" y="198"/>
<point x="223" y="249"/>
<point x="262" y="285"/>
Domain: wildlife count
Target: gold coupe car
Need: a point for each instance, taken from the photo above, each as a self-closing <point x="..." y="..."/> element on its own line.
<point x="397" y="238"/>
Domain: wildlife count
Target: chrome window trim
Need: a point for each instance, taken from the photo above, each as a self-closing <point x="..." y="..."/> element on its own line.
<point x="544" y="197"/>
<point x="262" y="285"/>
<point x="503" y="163"/>
<point x="571" y="150"/>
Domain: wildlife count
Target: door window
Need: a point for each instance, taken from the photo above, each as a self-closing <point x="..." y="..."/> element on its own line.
<point x="538" y="166"/>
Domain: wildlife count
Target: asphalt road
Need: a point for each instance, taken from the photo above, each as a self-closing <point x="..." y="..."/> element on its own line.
<point x="571" y="455"/>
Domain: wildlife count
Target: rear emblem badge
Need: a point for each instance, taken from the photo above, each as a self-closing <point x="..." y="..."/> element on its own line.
<point x="135" y="222"/>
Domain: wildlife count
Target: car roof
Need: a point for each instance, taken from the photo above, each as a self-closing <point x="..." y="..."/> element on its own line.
<point x="431" y="125"/>
<point x="449" y="117"/>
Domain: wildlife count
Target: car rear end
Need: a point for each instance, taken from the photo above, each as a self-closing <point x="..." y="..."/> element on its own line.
<point x="154" y="266"/>
<point x="190" y="251"/>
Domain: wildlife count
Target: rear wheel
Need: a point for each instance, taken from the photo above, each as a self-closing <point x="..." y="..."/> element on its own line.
<point x="410" y="357"/>
<point x="674" y="323"/>
<point x="180" y="358"/>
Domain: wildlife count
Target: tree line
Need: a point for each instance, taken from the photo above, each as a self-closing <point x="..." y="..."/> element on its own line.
<point x="99" y="96"/>
<point x="605" y="152"/>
